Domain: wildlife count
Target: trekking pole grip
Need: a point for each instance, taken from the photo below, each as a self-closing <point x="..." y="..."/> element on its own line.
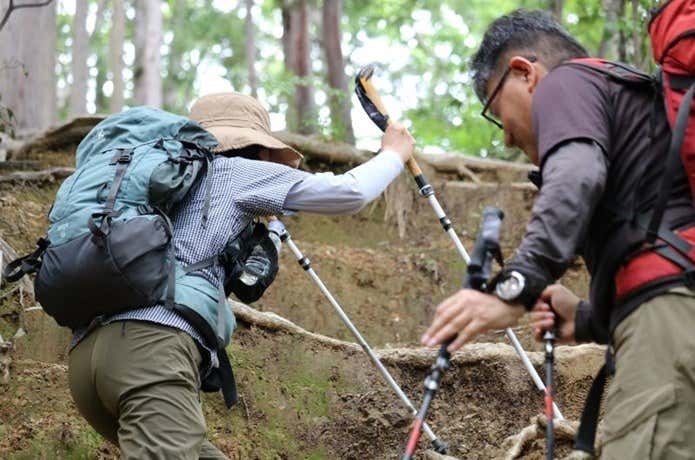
<point x="487" y="247"/>
<point x="372" y="103"/>
<point x="492" y="222"/>
<point x="413" y="167"/>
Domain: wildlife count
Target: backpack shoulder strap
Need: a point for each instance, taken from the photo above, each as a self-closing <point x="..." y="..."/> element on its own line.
<point x="673" y="163"/>
<point x="586" y="434"/>
<point x="616" y="71"/>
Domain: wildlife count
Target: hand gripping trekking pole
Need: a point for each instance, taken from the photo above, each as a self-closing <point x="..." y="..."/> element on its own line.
<point x="487" y="248"/>
<point x="276" y="225"/>
<point x="371" y="102"/>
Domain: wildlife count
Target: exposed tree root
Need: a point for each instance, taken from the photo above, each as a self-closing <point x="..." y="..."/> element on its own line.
<point x="565" y="430"/>
<point x="48" y="175"/>
<point x="464" y="166"/>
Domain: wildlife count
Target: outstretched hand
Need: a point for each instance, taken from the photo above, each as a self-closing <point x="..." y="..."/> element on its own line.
<point x="467" y="314"/>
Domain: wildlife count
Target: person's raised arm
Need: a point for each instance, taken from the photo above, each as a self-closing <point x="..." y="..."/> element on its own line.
<point x="348" y="193"/>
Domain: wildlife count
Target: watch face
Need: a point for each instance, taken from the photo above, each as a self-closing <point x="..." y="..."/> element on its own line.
<point x="510" y="287"/>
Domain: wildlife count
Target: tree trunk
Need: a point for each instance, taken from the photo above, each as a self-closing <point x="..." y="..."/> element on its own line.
<point x="622" y="46"/>
<point x="148" y="38"/>
<point x="556" y="7"/>
<point x="116" y="55"/>
<point x="27" y="63"/>
<point x="640" y="55"/>
<point x="139" y="36"/>
<point x="100" y="100"/>
<point x="173" y="100"/>
<point x="297" y="48"/>
<point x="289" y="30"/>
<point x="290" y="25"/>
<point x="339" y="99"/>
<point x="251" y="48"/>
<point x="80" y="50"/>
<point x="101" y="7"/>
<point x="152" y="73"/>
<point x="610" y="42"/>
<point x="305" y="90"/>
<point x="636" y="42"/>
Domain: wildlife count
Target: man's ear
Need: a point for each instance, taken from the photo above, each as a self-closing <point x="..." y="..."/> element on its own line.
<point x="529" y="71"/>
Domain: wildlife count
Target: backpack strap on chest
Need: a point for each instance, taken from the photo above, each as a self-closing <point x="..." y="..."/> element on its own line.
<point x="221" y="296"/>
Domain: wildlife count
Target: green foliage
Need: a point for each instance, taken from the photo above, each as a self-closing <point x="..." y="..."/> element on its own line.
<point x="423" y="46"/>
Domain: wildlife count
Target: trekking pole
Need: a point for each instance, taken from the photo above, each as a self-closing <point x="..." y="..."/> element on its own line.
<point x="549" y="338"/>
<point x="276" y="225"/>
<point x="487" y="248"/>
<point x="371" y="102"/>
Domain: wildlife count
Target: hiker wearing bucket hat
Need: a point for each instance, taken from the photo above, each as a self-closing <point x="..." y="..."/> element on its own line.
<point x="238" y="122"/>
<point x="136" y="375"/>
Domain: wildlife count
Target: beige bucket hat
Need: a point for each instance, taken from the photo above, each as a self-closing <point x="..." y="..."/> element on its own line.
<point x="238" y="121"/>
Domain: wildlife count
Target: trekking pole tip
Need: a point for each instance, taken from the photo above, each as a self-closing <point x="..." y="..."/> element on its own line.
<point x="440" y="446"/>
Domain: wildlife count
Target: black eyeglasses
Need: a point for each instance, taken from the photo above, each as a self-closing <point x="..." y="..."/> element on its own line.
<point x="495" y="91"/>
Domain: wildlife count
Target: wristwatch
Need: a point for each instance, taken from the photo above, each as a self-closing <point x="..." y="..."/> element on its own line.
<point x="510" y="286"/>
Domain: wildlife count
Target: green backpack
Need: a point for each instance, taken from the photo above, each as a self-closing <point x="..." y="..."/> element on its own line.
<point x="108" y="247"/>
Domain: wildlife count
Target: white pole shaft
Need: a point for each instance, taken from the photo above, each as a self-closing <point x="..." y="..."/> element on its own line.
<point x="363" y="343"/>
<point x="450" y="231"/>
<point x="534" y="375"/>
<point x="510" y="333"/>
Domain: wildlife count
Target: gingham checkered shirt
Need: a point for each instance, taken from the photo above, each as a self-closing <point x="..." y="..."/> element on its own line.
<point x="241" y="190"/>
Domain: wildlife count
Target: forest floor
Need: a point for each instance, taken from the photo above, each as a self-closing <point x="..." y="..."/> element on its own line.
<point x="306" y="390"/>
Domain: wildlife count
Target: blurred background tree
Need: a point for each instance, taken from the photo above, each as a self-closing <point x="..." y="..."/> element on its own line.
<point x="299" y="57"/>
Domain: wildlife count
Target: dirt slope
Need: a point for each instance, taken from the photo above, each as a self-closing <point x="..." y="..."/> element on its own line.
<point x="310" y="396"/>
<point x="305" y="395"/>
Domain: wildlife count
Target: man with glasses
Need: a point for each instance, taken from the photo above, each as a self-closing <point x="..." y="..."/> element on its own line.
<point x="601" y="146"/>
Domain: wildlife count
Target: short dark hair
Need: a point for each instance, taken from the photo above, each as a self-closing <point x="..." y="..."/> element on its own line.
<point x="526" y="33"/>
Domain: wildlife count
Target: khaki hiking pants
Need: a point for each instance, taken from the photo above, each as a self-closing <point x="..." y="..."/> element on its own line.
<point x="137" y="384"/>
<point x="650" y="405"/>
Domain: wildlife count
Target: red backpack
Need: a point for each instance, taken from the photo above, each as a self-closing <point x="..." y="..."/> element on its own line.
<point x="672" y="33"/>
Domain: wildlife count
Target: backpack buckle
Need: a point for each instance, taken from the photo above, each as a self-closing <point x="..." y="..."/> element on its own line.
<point x="689" y="279"/>
<point x="122" y="156"/>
